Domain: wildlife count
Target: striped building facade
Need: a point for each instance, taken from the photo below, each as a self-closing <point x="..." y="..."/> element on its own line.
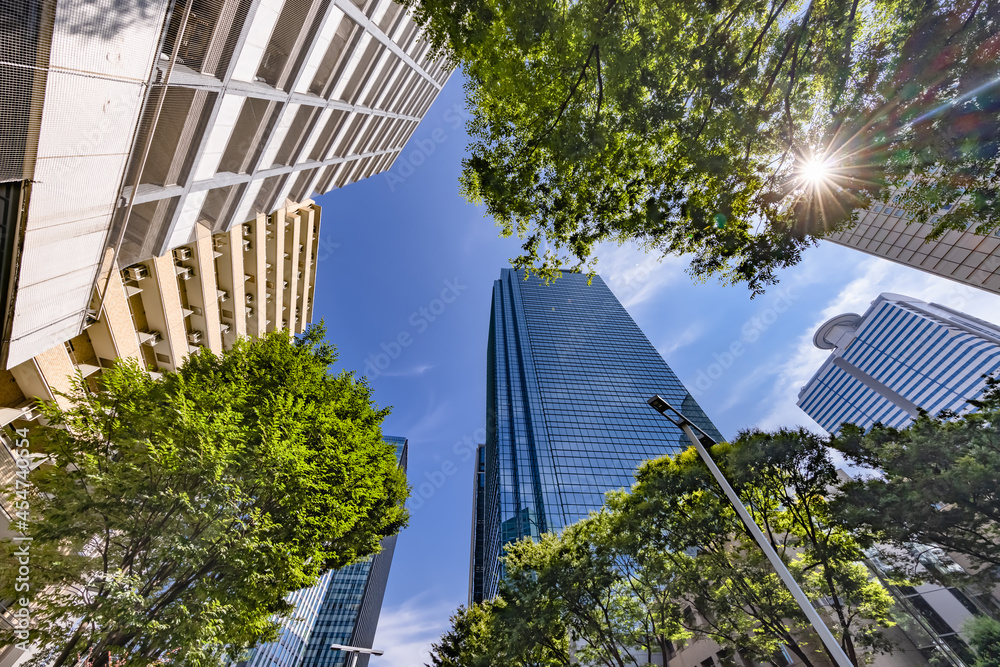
<point x="294" y="633"/>
<point x="903" y="355"/>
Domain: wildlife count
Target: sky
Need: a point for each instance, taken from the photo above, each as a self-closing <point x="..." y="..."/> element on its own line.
<point x="404" y="281"/>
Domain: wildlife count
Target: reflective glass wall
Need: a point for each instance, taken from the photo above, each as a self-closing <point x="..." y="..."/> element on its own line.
<point x="569" y="373"/>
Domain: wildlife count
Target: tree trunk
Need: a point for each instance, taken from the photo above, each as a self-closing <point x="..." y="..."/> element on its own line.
<point x="61" y="660"/>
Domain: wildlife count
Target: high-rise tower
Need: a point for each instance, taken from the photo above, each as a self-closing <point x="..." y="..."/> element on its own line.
<point x="569" y="374"/>
<point x="903" y="355"/>
<point x="886" y="230"/>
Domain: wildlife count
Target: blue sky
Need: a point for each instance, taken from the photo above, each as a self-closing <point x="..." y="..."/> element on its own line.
<point x="405" y="274"/>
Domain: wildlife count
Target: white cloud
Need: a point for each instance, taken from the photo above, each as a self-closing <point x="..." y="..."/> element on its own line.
<point x="419" y="369"/>
<point x="690" y="335"/>
<point x="435" y="416"/>
<point x="789" y="378"/>
<point x="747" y="385"/>
<point x="635" y="275"/>
<point x="877" y="276"/>
<point x="406" y="632"/>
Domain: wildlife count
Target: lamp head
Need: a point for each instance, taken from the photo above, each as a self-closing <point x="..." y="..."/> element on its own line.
<point x="658" y="404"/>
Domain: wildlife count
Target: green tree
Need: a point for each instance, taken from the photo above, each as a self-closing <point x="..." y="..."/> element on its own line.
<point x="469" y="642"/>
<point x="984" y="635"/>
<point x="177" y="513"/>
<point x="786" y="477"/>
<point x="939" y="481"/>
<point x="650" y="574"/>
<point x="529" y="628"/>
<point x="688" y="126"/>
<point x="510" y="630"/>
<point x="728" y="590"/>
<point x="670" y="560"/>
<point x="579" y="576"/>
<point x="783" y="478"/>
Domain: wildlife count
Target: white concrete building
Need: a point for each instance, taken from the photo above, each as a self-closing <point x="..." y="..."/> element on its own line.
<point x="256" y="278"/>
<point x="131" y="124"/>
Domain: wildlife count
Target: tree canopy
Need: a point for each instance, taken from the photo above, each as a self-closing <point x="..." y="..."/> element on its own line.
<point x="175" y="514"/>
<point x="984" y="634"/>
<point x="670" y="561"/>
<point x="938" y="481"/>
<point x="692" y="126"/>
<point x="783" y="478"/>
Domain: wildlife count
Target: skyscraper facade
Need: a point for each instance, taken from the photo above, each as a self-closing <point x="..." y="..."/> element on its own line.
<point x="901" y="356"/>
<point x="569" y="373"/>
<point x="478" y="527"/>
<point x="342" y="608"/>
<point x="886" y="230"/>
<point x="128" y="125"/>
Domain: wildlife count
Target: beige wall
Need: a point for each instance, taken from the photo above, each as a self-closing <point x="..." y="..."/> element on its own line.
<point x="158" y="306"/>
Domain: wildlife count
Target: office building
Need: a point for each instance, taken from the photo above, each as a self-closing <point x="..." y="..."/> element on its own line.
<point x="569" y="374"/>
<point x="901" y="356"/>
<point x="256" y="278"/>
<point x="886" y="231"/>
<point x="478" y="527"/>
<point x="293" y="635"/>
<point x="128" y="126"/>
<point x="343" y="608"/>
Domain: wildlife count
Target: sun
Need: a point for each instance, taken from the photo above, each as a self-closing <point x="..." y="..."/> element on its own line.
<point x="815" y="171"/>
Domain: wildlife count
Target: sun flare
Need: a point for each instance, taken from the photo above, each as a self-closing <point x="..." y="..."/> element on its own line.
<point x="815" y="171"/>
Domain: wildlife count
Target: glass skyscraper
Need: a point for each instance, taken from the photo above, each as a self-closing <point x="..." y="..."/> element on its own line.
<point x="342" y="608"/>
<point x="478" y="527"/>
<point x="568" y="376"/>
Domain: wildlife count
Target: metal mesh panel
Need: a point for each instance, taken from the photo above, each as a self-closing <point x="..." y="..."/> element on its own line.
<point x="282" y="45"/>
<point x="208" y="38"/>
<point x="219" y="205"/>
<point x="344" y="41"/>
<point x="300" y="188"/>
<point x="175" y="137"/>
<point x="268" y="192"/>
<point x="297" y="135"/>
<point x="146" y="231"/>
<point x="256" y="119"/>
<point x="24" y="33"/>
<point x="74" y="75"/>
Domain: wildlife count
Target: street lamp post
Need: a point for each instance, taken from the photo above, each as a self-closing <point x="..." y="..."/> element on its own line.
<point x="832" y="645"/>
<point x="354" y="651"/>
